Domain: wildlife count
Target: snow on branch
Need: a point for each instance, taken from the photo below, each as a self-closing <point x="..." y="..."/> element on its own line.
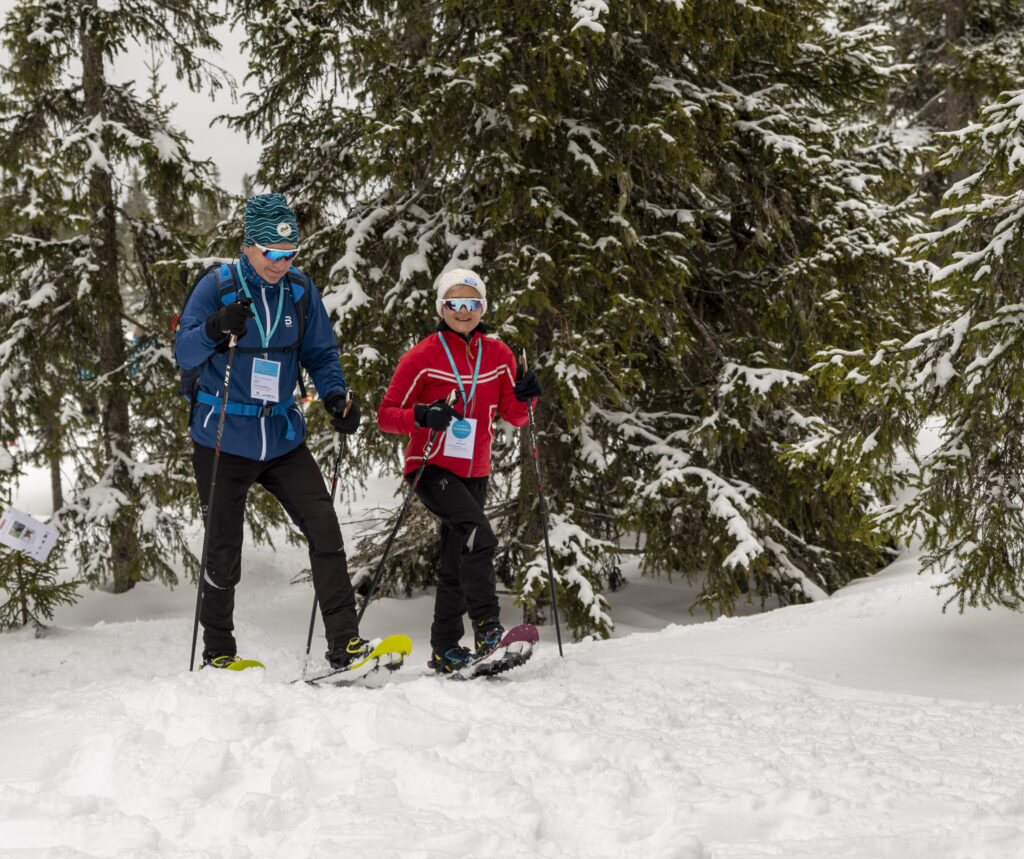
<point x="579" y="552"/>
<point x="586" y="13"/>
<point x="758" y="380"/>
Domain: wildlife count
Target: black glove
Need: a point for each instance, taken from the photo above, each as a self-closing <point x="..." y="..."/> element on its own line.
<point x="436" y="416"/>
<point x="527" y="385"/>
<point x="230" y="319"/>
<point x="335" y="405"/>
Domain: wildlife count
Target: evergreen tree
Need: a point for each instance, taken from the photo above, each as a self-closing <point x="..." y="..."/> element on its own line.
<point x="962" y="54"/>
<point x="71" y="138"/>
<point x="959" y="369"/>
<point x="967" y="368"/>
<point x="33" y="590"/>
<point x="675" y="208"/>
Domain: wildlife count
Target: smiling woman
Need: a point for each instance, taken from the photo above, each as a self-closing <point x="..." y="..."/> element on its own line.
<point x="451" y="476"/>
<point x="462" y="316"/>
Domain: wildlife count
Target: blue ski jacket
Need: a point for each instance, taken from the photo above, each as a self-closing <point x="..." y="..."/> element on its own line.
<point x="257" y="427"/>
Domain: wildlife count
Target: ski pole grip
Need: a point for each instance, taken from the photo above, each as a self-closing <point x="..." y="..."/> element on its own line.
<point x="451" y="397"/>
<point x="348" y="402"/>
<point x="233" y="341"/>
<point x="525" y="365"/>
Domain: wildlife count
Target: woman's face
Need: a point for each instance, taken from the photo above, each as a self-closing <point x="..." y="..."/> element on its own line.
<point x="461" y="320"/>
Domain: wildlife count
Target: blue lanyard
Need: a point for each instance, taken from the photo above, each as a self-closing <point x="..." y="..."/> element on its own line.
<point x="455" y="370"/>
<point x="280" y="303"/>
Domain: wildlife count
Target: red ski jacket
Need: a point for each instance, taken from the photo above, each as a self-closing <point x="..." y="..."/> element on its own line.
<point x="424" y="374"/>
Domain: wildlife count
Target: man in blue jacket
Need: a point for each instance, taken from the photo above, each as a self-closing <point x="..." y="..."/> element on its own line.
<point x="260" y="303"/>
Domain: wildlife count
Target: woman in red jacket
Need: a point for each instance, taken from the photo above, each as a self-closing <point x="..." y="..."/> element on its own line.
<point x="482" y="372"/>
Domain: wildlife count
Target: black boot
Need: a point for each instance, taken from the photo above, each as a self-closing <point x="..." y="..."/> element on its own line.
<point x="450" y="660"/>
<point x="342" y="652"/>
<point x="486" y="635"/>
<point x="218" y="659"/>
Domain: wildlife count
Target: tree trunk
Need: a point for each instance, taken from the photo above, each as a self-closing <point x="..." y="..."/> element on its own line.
<point x="959" y="102"/>
<point x="109" y="309"/>
<point x="56" y="492"/>
<point x="22" y="585"/>
<point x="50" y="435"/>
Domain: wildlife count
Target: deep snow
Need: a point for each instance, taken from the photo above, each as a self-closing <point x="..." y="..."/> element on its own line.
<point x="868" y="725"/>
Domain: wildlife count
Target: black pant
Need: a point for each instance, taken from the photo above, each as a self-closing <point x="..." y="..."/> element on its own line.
<point x="295" y="480"/>
<point x="466" y="580"/>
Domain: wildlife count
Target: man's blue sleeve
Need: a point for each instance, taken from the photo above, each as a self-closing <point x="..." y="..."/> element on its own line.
<point x="319" y="353"/>
<point x="192" y="345"/>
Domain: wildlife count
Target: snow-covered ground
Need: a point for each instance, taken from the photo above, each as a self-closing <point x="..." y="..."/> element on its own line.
<point x="869" y="725"/>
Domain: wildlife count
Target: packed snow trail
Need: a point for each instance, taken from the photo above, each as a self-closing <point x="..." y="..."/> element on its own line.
<point x="634" y="747"/>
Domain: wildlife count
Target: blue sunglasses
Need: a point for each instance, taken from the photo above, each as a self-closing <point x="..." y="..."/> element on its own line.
<point x="274" y="254"/>
<point x="464" y="304"/>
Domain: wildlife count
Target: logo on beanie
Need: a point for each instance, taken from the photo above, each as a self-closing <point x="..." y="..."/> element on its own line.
<point x="470" y="282"/>
<point x="284" y="229"/>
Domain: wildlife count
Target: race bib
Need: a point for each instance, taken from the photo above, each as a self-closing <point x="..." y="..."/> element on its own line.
<point x="460" y="438"/>
<point x="265" y="378"/>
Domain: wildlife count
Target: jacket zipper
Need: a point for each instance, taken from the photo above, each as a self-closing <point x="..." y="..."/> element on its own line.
<point x="263" y="420"/>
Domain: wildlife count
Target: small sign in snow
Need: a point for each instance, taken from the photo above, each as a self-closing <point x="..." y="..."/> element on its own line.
<point x="20" y="531"/>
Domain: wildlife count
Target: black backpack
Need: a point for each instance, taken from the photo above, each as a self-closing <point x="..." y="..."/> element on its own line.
<point x="227" y="283"/>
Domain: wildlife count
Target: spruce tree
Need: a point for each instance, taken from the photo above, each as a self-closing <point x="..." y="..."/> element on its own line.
<point x="676" y="209"/>
<point x="71" y="137"/>
<point x="958" y="366"/>
<point x="30" y="591"/>
<point x="966" y="370"/>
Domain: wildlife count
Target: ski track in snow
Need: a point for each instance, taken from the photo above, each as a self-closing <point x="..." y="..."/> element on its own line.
<point x="626" y="748"/>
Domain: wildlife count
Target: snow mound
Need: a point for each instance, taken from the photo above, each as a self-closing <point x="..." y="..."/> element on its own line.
<point x="855" y="727"/>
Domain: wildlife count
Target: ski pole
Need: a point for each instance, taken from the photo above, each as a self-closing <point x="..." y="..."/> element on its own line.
<point x="334" y="491"/>
<point x="209" y="505"/>
<point x="543" y="516"/>
<point x="401" y="514"/>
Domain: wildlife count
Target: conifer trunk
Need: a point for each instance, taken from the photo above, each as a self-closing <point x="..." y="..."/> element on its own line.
<point x="109" y="309"/>
<point x="56" y="491"/>
<point x="19" y="577"/>
<point x="959" y="102"/>
<point x="51" y="436"/>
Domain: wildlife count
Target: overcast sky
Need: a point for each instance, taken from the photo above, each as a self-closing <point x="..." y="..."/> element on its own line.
<point x="194" y="112"/>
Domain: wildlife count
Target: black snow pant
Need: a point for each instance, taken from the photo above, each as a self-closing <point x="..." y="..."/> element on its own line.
<point x="295" y="480"/>
<point x="466" y="580"/>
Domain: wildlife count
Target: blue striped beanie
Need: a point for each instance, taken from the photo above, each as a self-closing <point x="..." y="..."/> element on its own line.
<point x="269" y="220"/>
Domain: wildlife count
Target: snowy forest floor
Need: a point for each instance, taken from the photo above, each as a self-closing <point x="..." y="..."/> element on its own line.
<point x="869" y="725"/>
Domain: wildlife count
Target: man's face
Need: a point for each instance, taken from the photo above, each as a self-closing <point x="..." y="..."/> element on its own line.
<point x="271" y="271"/>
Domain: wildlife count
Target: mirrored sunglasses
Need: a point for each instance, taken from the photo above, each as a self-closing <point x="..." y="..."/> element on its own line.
<point x="275" y="254"/>
<point x="464" y="304"/>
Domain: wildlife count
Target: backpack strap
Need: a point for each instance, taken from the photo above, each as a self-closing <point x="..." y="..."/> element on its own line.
<point x="227" y="291"/>
<point x="227" y="283"/>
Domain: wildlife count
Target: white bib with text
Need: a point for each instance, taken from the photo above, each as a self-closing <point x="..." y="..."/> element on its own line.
<point x="460" y="438"/>
<point x="265" y="380"/>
